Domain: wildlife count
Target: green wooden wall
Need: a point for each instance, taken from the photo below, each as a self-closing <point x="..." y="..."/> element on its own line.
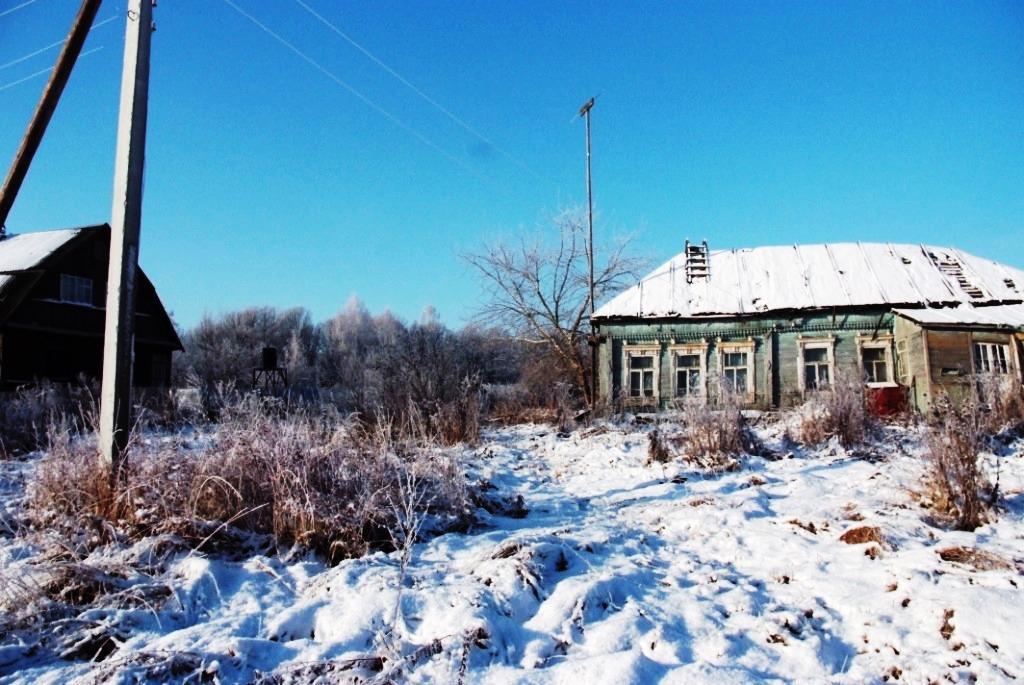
<point x="776" y="352"/>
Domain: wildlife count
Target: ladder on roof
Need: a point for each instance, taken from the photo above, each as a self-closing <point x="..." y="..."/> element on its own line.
<point x="951" y="266"/>
<point x="698" y="265"/>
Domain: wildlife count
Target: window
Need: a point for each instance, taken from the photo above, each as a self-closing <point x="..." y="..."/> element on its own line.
<point x="641" y="373"/>
<point x="75" y="289"/>
<point x="817" y="363"/>
<point x="689" y="381"/>
<point x="876" y="359"/>
<point x="991" y="358"/>
<point x="735" y="371"/>
<point x="736" y="368"/>
<point x="876" y="367"/>
<point x="816" y="368"/>
<point x="903" y="365"/>
<point x="689" y="369"/>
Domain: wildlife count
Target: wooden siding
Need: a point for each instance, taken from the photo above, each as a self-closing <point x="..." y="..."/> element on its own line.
<point x="912" y="362"/>
<point x="47" y="338"/>
<point x="776" y="369"/>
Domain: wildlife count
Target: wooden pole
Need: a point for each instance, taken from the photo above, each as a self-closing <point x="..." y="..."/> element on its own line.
<point x="126" y="219"/>
<point x="47" y="104"/>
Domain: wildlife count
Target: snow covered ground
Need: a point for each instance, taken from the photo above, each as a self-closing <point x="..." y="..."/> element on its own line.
<point x="610" y="571"/>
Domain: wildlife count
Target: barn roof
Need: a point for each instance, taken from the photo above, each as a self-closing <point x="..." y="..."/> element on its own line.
<point x="24" y="256"/>
<point x="808" y="277"/>
<point x="27" y="251"/>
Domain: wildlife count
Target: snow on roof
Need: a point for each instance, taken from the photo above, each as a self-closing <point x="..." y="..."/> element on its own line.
<point x="763" y="279"/>
<point x="1001" y="316"/>
<point x="25" y="251"/>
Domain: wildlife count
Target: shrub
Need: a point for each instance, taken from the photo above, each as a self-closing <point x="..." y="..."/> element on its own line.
<point x="713" y="433"/>
<point x="1000" y="398"/>
<point x="954" y="437"/>
<point x="708" y="437"/>
<point x="836" y="411"/>
<point x="657" y="449"/>
<point x="27" y="413"/>
<point x="306" y="478"/>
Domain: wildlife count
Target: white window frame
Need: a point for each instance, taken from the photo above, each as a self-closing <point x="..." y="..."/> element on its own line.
<point x="883" y="342"/>
<point x="747" y="346"/>
<point x="653" y="351"/>
<point x="1007" y="356"/>
<point x="804" y="344"/>
<point x="79" y="287"/>
<point x="699" y="349"/>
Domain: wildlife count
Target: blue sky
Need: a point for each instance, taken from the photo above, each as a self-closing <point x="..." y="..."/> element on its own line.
<point x="742" y="123"/>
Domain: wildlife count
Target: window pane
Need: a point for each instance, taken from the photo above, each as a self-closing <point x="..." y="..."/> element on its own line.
<point x="695" y="382"/>
<point x="815" y="354"/>
<point x="881" y="372"/>
<point x="648" y="383"/>
<point x="740" y="384"/>
<point x="999" y="357"/>
<point x="682" y="385"/>
<point x="873" y="354"/>
<point x="634" y="385"/>
<point x="641" y="362"/>
<point x="736" y="359"/>
<point x="981" y="364"/>
<point x="75" y="289"/>
<point x="810" y="378"/>
<point x="688" y="360"/>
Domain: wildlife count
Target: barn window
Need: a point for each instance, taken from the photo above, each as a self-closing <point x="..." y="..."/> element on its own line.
<point x="991" y="358"/>
<point x="641" y="373"/>
<point x="817" y="363"/>
<point x="689" y="365"/>
<point x="75" y="289"/>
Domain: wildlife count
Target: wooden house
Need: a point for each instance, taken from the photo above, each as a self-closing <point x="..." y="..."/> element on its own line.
<point x="775" y="323"/>
<point x="52" y="311"/>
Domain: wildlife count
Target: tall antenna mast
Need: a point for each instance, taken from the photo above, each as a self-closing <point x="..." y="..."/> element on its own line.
<point x="585" y="113"/>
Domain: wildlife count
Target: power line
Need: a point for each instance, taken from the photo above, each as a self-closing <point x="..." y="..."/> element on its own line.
<point x="367" y="101"/>
<point x="16" y="8"/>
<point x="434" y="103"/>
<point x="50" y="46"/>
<point x="43" y="71"/>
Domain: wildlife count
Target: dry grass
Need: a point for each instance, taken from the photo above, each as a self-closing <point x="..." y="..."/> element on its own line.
<point x="1000" y="398"/>
<point x="954" y="439"/>
<point x="862" y="535"/>
<point x="305" y="478"/>
<point x="836" y="411"/>
<point x="978" y="559"/>
<point x="708" y="438"/>
<point x="27" y="414"/>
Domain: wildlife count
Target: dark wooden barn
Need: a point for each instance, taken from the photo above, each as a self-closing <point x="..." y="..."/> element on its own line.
<point x="52" y="310"/>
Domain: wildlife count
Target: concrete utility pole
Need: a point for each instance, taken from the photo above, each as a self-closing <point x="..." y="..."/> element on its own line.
<point x="47" y="104"/>
<point x="585" y="113"/>
<point x="126" y="218"/>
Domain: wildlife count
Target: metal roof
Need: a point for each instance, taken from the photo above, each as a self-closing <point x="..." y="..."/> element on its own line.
<point x="823" y="276"/>
<point x="997" y="316"/>
<point x="27" y="251"/>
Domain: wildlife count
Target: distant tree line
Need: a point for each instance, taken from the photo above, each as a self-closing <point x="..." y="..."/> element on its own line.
<point x="355" y="360"/>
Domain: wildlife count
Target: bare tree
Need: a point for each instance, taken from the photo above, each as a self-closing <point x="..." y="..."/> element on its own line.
<point x="541" y="293"/>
